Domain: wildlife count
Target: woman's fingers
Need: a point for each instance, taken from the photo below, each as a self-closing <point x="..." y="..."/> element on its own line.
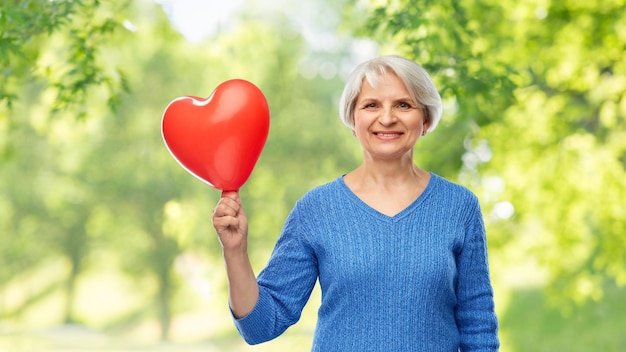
<point x="228" y="216"/>
<point x="228" y="205"/>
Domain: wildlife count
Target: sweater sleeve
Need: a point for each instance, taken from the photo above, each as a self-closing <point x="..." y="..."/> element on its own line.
<point x="475" y="316"/>
<point x="285" y="286"/>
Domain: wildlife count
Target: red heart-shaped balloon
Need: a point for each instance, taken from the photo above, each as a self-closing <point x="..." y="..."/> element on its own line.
<point x="218" y="139"/>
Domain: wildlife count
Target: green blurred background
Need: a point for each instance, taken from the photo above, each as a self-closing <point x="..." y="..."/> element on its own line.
<point x="106" y="242"/>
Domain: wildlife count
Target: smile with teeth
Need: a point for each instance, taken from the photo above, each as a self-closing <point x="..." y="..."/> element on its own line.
<point x="387" y="134"/>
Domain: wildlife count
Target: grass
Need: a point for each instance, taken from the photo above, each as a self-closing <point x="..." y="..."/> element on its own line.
<point x="527" y="323"/>
<point x="532" y="324"/>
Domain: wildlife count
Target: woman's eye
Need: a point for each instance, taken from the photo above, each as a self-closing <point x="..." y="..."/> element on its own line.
<point x="370" y="105"/>
<point x="404" y="105"/>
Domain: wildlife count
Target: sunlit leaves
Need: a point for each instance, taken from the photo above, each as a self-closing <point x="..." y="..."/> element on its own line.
<point x="564" y="195"/>
<point x="29" y="28"/>
<point x="543" y="86"/>
<point x="21" y="24"/>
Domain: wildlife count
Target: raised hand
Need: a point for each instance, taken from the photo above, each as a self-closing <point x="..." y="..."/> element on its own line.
<point x="230" y="222"/>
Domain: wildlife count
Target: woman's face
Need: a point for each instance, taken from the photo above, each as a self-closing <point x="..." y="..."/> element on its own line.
<point x="387" y="121"/>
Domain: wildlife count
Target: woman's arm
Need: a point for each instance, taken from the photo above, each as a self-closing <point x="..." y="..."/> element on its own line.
<point x="475" y="315"/>
<point x="231" y="225"/>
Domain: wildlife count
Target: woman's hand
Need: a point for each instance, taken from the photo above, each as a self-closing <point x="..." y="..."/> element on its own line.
<point x="230" y="222"/>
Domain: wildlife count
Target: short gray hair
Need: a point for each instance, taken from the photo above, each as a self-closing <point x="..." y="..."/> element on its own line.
<point x="415" y="78"/>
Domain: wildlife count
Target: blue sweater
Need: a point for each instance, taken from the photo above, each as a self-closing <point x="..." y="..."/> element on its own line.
<point x="416" y="281"/>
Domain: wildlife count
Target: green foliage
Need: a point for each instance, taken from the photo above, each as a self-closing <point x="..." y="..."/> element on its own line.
<point x="21" y="24"/>
<point x="452" y="40"/>
<point x="534" y="122"/>
<point x="71" y="66"/>
<point x="538" y="91"/>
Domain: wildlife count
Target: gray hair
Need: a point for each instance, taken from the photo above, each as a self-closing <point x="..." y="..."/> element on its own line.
<point x="415" y="78"/>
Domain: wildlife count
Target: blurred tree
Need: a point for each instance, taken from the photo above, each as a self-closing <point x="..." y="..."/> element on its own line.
<point x="165" y="209"/>
<point x="21" y="213"/>
<point x="537" y="92"/>
<point x="48" y="47"/>
<point x="75" y="188"/>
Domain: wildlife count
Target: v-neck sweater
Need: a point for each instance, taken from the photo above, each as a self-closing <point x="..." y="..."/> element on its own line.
<point x="415" y="281"/>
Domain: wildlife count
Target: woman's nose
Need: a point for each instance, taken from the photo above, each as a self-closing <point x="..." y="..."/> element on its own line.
<point x="386" y="117"/>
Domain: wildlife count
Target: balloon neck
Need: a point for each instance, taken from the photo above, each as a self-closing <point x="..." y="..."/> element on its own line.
<point x="230" y="190"/>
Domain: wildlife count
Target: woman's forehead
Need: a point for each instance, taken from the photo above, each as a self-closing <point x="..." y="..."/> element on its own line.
<point x="378" y="80"/>
<point x="377" y="75"/>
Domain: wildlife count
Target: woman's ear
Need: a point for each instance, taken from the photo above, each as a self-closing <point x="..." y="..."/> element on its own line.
<point x="426" y="123"/>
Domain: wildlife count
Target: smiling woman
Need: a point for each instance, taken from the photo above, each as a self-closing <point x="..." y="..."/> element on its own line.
<point x="400" y="253"/>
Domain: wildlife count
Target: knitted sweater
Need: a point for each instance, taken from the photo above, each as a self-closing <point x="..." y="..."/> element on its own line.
<point x="416" y="281"/>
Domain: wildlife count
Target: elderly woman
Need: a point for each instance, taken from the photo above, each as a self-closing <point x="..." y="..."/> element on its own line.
<point x="399" y="252"/>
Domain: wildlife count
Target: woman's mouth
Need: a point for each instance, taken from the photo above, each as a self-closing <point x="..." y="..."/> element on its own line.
<point x="387" y="134"/>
